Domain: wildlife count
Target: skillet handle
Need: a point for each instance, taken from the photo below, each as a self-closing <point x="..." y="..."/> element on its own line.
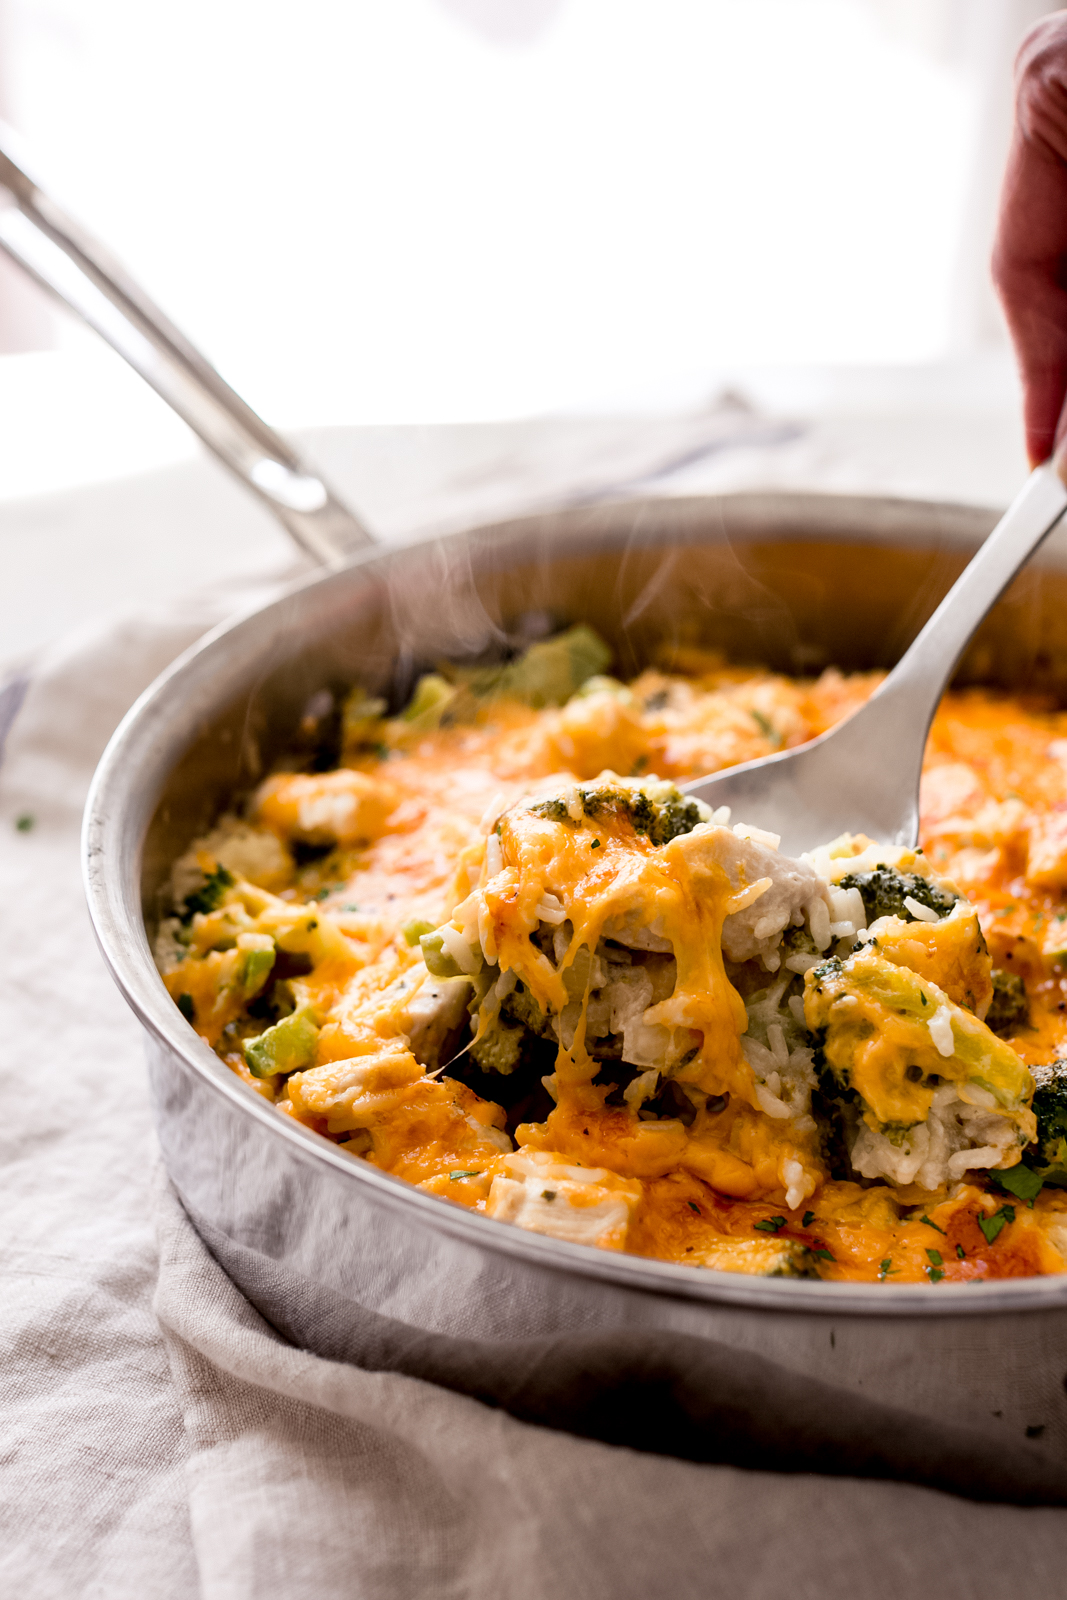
<point x="78" y="270"/>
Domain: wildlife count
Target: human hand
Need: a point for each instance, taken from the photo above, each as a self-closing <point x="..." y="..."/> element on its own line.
<point x="1030" y="253"/>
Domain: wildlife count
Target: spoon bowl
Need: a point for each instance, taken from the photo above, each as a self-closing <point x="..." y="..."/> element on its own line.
<point x="863" y="775"/>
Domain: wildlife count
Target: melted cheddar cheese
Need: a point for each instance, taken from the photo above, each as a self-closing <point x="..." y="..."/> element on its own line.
<point x="564" y="934"/>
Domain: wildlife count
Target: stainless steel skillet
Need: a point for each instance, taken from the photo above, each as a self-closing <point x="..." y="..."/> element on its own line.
<point x="355" y="1264"/>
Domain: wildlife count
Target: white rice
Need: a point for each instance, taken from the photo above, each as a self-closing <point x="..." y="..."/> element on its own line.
<point x="745" y="830"/>
<point x="776" y="1049"/>
<point x="465" y="958"/>
<point x="940" y="1026"/>
<point x="494" y="856"/>
<point x="956" y="1138"/>
<point x="818" y="918"/>
<point x="550" y="909"/>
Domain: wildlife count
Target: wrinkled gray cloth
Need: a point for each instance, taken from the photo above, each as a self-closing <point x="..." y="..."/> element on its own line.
<point x="192" y="1452"/>
<point x="308" y="1477"/>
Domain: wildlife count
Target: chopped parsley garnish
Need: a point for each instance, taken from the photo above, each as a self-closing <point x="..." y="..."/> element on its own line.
<point x="992" y="1226"/>
<point x="474" y="1173"/>
<point x="886" y="1269"/>
<point x="595" y="845"/>
<point x="1020" y="1181"/>
<point x="807" y="1219"/>
<point x="770" y="1224"/>
<point x="320" y="894"/>
<point x="822" y="1254"/>
<point x="934" y="1274"/>
<point x="929" y="1224"/>
<point x="935" y="1258"/>
<point x="765" y="726"/>
<point x="690" y="1203"/>
<point x="24" y="823"/>
<point x="961" y="1252"/>
<point x="186" y="1007"/>
<point x="549" y="1194"/>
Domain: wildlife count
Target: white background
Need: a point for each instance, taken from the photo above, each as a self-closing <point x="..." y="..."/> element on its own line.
<point x="404" y="211"/>
<point x="413" y="210"/>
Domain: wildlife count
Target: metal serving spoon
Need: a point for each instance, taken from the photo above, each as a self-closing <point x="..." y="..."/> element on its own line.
<point x="861" y="777"/>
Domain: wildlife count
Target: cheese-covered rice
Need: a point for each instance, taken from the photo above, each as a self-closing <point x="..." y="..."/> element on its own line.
<point x="498" y="952"/>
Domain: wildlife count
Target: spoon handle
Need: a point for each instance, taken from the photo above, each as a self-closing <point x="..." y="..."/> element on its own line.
<point x="863" y="775"/>
<point x="891" y="730"/>
<point x="77" y="269"/>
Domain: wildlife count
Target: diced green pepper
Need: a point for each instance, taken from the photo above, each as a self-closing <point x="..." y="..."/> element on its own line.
<point x="437" y="958"/>
<point x="427" y="705"/>
<point x="255" y="970"/>
<point x="443" y="964"/>
<point x="287" y="1047"/>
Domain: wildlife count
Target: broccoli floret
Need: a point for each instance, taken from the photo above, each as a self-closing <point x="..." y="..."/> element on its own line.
<point x="427" y="706"/>
<point x="827" y="969"/>
<point x="675" y="817"/>
<point x="884" y="890"/>
<point x="550" y="672"/>
<point x="209" y="896"/>
<point x="1047" y="1156"/>
<point x="1009" y="1009"/>
<point x="654" y="807"/>
<point x="500" y="1049"/>
<point x="895" y="1090"/>
<point x="553" y="810"/>
<point x="547" y="674"/>
<point x="521" y="1007"/>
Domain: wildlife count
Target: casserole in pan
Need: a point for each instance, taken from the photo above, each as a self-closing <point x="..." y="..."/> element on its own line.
<point x="354" y="1263"/>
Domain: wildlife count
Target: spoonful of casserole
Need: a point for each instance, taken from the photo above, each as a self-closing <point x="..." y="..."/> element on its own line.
<point x="863" y="775"/>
